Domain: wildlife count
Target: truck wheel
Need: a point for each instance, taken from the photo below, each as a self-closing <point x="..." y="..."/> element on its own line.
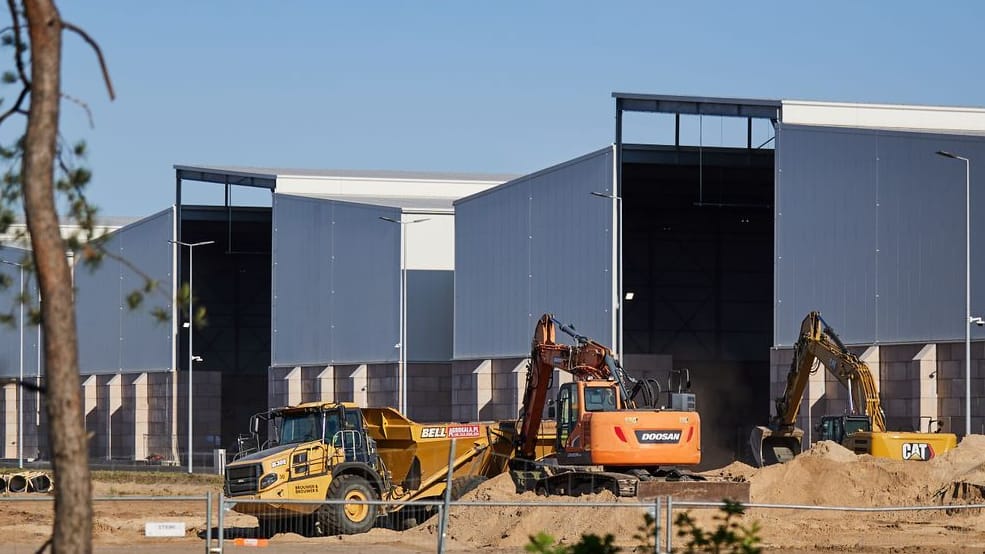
<point x="348" y="519"/>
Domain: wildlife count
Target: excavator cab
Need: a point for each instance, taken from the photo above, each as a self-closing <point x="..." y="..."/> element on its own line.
<point x="576" y="399"/>
<point x="837" y="427"/>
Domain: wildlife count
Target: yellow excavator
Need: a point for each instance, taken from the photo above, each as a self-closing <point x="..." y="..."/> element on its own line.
<point x="862" y="429"/>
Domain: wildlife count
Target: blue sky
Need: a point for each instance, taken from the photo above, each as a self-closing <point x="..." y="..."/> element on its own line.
<point x="506" y="87"/>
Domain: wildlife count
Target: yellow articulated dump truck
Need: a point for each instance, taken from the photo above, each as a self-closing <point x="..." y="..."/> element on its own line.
<point x="339" y="451"/>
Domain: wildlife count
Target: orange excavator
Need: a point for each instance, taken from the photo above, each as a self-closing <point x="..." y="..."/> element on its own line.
<point x="613" y="432"/>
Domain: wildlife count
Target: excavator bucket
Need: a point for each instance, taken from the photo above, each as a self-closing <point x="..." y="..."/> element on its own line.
<point x="774" y="447"/>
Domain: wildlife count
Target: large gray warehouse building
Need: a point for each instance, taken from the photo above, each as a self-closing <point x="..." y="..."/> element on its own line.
<point x="724" y="248"/>
<point x="303" y="300"/>
<point x="698" y="240"/>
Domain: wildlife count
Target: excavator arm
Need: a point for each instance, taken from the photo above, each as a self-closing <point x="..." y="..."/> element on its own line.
<point x="817" y="343"/>
<point x="587" y="360"/>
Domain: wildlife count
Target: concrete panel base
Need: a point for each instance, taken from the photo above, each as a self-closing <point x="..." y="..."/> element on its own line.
<point x="128" y="417"/>
<point x="10" y="421"/>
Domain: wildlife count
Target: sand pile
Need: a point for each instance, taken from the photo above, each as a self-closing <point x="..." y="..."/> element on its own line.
<point x="829" y="474"/>
<point x="830" y="450"/>
<point x="483" y="526"/>
<point x="826" y="475"/>
<point x="964" y="463"/>
<point x="736" y="471"/>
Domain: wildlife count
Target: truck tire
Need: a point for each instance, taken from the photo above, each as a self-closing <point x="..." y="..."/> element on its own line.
<point x="348" y="519"/>
<point x="463" y="485"/>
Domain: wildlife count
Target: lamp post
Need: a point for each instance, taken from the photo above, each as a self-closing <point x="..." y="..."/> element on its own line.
<point x="20" y="379"/>
<point x="192" y="358"/>
<point x="621" y="297"/>
<point x="968" y="319"/>
<point x="402" y="361"/>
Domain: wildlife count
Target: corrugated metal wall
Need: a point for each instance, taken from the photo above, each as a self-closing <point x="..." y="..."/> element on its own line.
<point x="870" y="230"/>
<point x="336" y="282"/>
<point x="430" y="310"/>
<point x="112" y="337"/>
<point x="10" y="354"/>
<point x="541" y="243"/>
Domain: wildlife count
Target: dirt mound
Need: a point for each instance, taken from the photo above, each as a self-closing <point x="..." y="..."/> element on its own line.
<point x="736" y="471"/>
<point x="511" y="526"/>
<point x="826" y="475"/>
<point x="499" y="488"/>
<point x="830" y="450"/>
<point x="829" y="474"/>
<point x="967" y="461"/>
<point x="830" y="481"/>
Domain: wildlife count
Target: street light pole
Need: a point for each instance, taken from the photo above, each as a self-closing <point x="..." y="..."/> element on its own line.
<point x="620" y="294"/>
<point x="402" y="360"/>
<point x="20" y="379"/>
<point x="191" y="327"/>
<point x="968" y="319"/>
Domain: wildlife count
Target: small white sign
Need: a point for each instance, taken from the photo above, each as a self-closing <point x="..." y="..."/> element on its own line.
<point x="164" y="529"/>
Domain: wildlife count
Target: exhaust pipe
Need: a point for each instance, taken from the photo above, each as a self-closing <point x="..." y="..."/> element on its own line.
<point x="17" y="483"/>
<point x="40" y="482"/>
<point x="775" y="447"/>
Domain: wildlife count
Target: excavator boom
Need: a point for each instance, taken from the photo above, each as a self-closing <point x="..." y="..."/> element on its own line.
<point x="586" y="361"/>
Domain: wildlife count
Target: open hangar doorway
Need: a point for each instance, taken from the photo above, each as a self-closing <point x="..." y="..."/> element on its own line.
<point x="696" y="178"/>
<point x="232" y="281"/>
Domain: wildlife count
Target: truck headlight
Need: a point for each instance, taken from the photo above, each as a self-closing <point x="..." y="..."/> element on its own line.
<point x="267" y="480"/>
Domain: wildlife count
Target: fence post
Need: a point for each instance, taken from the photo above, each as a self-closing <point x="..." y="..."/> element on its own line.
<point x="443" y="522"/>
<point x="222" y="519"/>
<point x="208" y="522"/>
<point x="656" y="525"/>
<point x="670" y="524"/>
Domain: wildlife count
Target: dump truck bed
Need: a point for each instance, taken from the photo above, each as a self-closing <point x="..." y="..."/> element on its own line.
<point x="416" y="454"/>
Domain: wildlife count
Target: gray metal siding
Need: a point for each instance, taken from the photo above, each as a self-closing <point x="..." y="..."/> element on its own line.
<point x="10" y="354"/>
<point x="430" y="310"/>
<point x="870" y="230"/>
<point x="336" y="282"/>
<point x="112" y="337"/>
<point x="539" y="244"/>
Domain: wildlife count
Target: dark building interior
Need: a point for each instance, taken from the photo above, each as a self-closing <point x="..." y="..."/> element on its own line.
<point x="232" y="282"/>
<point x="698" y="259"/>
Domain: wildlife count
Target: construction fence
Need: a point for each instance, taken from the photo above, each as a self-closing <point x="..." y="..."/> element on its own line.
<point x="193" y="517"/>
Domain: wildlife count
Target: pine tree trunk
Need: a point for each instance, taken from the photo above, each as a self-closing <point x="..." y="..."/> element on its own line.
<point x="72" y="531"/>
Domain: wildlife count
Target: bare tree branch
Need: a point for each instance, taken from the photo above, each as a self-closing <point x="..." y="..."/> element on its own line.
<point x="16" y="108"/>
<point x="78" y="102"/>
<point x="99" y="53"/>
<point x="18" y="44"/>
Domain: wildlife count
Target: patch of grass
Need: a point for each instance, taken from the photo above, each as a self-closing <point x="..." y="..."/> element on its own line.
<point x="156" y="477"/>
